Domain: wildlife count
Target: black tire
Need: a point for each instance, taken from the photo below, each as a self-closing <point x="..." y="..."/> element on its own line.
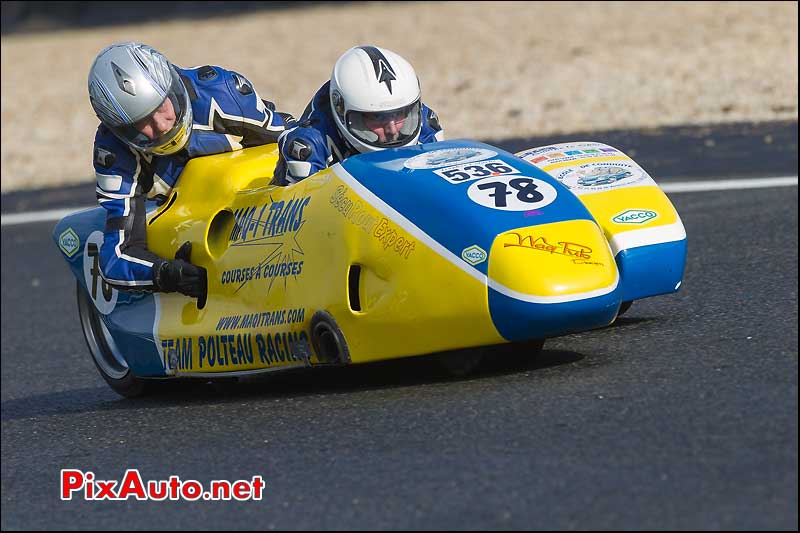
<point x="513" y="356"/>
<point x="460" y="363"/>
<point x="107" y="359"/>
<point x="624" y="307"/>
<point x="328" y="339"/>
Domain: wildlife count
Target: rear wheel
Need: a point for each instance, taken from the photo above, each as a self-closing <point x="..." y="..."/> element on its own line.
<point x="328" y="339"/>
<point x="106" y="355"/>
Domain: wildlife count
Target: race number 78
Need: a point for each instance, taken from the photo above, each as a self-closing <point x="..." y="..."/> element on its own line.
<point x="525" y="189"/>
<point x="509" y="193"/>
<point x="94" y="253"/>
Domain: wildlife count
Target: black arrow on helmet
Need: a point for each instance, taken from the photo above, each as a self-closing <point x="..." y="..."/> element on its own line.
<point x="383" y="70"/>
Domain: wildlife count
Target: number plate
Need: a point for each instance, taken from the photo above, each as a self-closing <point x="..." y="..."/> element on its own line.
<point x="474" y="171"/>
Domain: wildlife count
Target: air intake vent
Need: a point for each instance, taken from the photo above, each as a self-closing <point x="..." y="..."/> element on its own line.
<point x="353" y="286"/>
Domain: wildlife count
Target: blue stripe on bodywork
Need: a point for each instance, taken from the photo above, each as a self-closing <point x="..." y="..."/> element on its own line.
<point x="131" y="325"/>
<point x="517" y="320"/>
<point x="443" y="210"/>
<point x="131" y="322"/>
<point x="651" y="270"/>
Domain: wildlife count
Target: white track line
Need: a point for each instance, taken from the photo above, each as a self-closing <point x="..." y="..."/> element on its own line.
<point x="728" y="185"/>
<point x="674" y="187"/>
<point x="39" y="216"/>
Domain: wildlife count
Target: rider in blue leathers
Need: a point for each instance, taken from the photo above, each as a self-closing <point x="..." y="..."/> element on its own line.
<point x="371" y="102"/>
<point x="154" y="118"/>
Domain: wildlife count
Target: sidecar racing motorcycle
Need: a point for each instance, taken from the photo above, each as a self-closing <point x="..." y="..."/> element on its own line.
<point x="426" y="249"/>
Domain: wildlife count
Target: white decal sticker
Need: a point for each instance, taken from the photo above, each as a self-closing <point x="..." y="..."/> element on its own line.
<point x="448" y="156"/>
<point x="473" y="171"/>
<point x="559" y="153"/>
<point x="102" y="294"/>
<point x="69" y="242"/>
<point x="512" y="193"/>
<point x="473" y="254"/>
<point x="594" y="177"/>
<point x="634" y="216"/>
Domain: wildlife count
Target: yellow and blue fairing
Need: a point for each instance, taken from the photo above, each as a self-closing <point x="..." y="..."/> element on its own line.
<point x="530" y="293"/>
<point x="407" y="261"/>
<point x="644" y="230"/>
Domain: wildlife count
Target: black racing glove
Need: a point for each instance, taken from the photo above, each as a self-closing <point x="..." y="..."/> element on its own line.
<point x="180" y="275"/>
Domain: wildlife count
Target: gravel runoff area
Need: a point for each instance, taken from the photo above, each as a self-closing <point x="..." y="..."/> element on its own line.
<point x="491" y="70"/>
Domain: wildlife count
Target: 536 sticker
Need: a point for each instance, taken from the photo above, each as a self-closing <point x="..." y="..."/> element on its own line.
<point x="472" y="171"/>
<point x="509" y="193"/>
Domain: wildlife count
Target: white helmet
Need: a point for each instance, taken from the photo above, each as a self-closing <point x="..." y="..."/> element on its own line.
<point x="375" y="99"/>
<point x="128" y="83"/>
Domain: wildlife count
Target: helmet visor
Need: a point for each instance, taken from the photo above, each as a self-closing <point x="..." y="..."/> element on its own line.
<point x="165" y="129"/>
<point x="385" y="129"/>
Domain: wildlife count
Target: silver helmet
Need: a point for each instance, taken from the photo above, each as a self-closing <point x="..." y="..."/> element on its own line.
<point x="132" y="85"/>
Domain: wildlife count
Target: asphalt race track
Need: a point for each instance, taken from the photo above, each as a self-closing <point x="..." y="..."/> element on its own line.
<point x="681" y="416"/>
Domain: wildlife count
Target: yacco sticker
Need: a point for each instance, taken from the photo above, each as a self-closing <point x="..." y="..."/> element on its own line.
<point x="103" y="295"/>
<point x="447" y="156"/>
<point x="472" y="171"/>
<point x="473" y="254"/>
<point x="69" y="242"/>
<point x="634" y="216"/>
<point x="510" y="193"/>
<point x="594" y="177"/>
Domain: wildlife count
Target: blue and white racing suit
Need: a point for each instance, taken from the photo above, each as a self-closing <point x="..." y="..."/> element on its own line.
<point x="315" y="142"/>
<point x="227" y="115"/>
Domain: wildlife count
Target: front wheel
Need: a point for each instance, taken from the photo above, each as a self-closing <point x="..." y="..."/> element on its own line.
<point x="513" y="355"/>
<point x="106" y="355"/>
<point x="460" y="363"/>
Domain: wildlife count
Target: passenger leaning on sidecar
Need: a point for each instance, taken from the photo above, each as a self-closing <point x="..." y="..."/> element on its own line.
<point x="371" y="102"/>
<point x="154" y="118"/>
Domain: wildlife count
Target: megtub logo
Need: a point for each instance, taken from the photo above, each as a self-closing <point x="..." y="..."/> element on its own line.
<point x="69" y="242"/>
<point x="634" y="216"/>
<point x="473" y="255"/>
